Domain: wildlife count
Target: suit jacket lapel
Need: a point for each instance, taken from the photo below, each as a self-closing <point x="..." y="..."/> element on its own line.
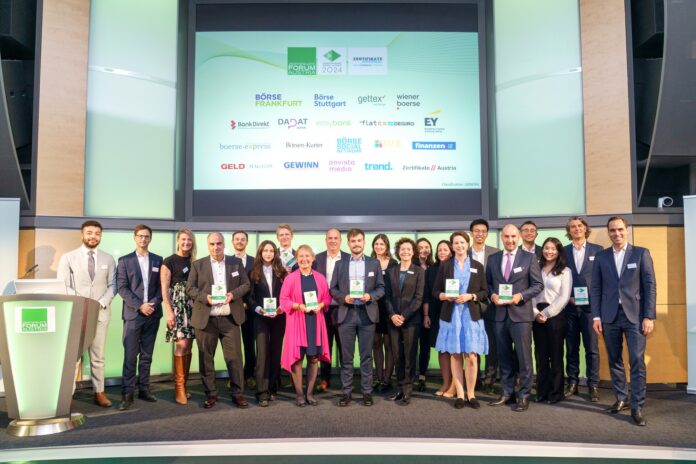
<point x="627" y="255"/>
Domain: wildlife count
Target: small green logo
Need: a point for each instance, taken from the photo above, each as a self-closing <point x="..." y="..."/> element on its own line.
<point x="332" y="55"/>
<point x="34" y="320"/>
<point x="302" y="61"/>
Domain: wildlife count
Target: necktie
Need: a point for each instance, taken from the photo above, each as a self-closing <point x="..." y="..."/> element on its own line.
<point x="90" y="265"/>
<point x="508" y="266"/>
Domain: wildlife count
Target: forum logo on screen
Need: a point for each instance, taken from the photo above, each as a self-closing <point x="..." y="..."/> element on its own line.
<point x="333" y="61"/>
<point x="302" y="61"/>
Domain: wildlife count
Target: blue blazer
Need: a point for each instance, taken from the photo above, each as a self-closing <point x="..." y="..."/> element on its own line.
<point x="374" y="285"/>
<point x="584" y="277"/>
<point x="129" y="284"/>
<point x="635" y="286"/>
<point x="527" y="281"/>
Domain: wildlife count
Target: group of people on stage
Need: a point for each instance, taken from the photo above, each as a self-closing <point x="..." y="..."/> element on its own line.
<point x="464" y="298"/>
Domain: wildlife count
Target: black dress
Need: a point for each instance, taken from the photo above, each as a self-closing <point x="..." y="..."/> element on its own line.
<point x="179" y="266"/>
<point x="309" y="285"/>
<point x="383" y="324"/>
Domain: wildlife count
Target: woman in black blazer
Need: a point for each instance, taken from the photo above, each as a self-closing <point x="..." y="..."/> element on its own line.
<point x="266" y="278"/>
<point x="403" y="296"/>
<point x="381" y="348"/>
<point x="462" y="333"/>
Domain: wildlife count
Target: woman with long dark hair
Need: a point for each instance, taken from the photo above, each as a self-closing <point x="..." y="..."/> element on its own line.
<point x="549" y="327"/>
<point x="425" y="260"/>
<point x="381" y="348"/>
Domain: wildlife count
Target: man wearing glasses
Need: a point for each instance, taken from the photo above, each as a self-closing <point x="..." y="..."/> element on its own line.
<point x="529" y="233"/>
<point x="138" y="284"/>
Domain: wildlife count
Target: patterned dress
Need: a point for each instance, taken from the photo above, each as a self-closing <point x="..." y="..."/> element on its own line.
<point x="179" y="266"/>
<point x="462" y="334"/>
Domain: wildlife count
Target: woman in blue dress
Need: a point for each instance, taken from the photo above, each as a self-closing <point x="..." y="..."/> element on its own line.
<point x="462" y="333"/>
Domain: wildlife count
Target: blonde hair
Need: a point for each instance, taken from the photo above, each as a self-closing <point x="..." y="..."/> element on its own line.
<point x="188" y="232"/>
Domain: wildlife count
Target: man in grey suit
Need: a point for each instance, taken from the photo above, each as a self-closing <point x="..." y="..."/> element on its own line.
<point x="217" y="285"/>
<point x="92" y="274"/>
<point x="623" y="298"/>
<point x="325" y="263"/>
<point x="357" y="315"/>
<point x="480" y="252"/>
<point x="514" y="278"/>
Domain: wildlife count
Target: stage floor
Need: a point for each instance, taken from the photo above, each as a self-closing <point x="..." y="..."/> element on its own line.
<point x="428" y="424"/>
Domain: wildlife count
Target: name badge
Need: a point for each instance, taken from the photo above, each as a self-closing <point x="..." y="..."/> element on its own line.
<point x="631" y="265"/>
<point x="104" y="266"/>
<point x="370" y="274"/>
<point x="517" y="269"/>
<point x="581" y="296"/>
<point x="186" y="270"/>
<point x="235" y="274"/>
<point x="269" y="305"/>
<point x="310" y="300"/>
<point x="409" y="272"/>
<point x="591" y="258"/>
<point x="218" y="294"/>
<point x="504" y="292"/>
<point x="452" y="288"/>
<point x="474" y="270"/>
<point x="356" y="288"/>
<point x="155" y="269"/>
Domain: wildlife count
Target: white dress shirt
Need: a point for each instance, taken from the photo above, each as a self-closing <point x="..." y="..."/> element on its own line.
<point x="618" y="261"/>
<point x="480" y="256"/>
<point x="268" y="274"/>
<point x="243" y="258"/>
<point x="219" y="279"/>
<point x="331" y="264"/>
<point x="529" y="250"/>
<point x="144" y="262"/>
<point x="556" y="292"/>
<point x="579" y="256"/>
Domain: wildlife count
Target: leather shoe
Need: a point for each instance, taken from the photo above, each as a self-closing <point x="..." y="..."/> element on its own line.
<point x="571" y="389"/>
<point x="502" y="399"/>
<point x="638" y="417"/>
<point x="300" y="401"/>
<point x="474" y="403"/>
<point x="312" y="401"/>
<point x="367" y="399"/>
<point x="345" y="400"/>
<point x="145" y="395"/>
<point x="594" y="394"/>
<point x="459" y="403"/>
<point x="398" y="396"/>
<point x="239" y="401"/>
<point x="210" y="402"/>
<point x="126" y="402"/>
<point x="617" y="407"/>
<point x="522" y="405"/>
<point x="102" y="400"/>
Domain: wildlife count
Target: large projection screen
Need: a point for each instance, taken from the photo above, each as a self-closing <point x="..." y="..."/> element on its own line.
<point x="335" y="110"/>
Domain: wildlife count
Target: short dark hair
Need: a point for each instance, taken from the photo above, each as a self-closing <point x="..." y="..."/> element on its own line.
<point x="402" y="241"/>
<point x="91" y="223"/>
<point x="478" y="222"/>
<point x="240" y="232"/>
<point x="617" y="218"/>
<point x="140" y="227"/>
<point x="584" y="222"/>
<point x="355" y="232"/>
<point x="459" y="233"/>
<point x="528" y="223"/>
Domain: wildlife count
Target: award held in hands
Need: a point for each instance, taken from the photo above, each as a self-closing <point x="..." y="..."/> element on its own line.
<point x="356" y="288"/>
<point x="270" y="306"/>
<point x="581" y="296"/>
<point x="505" y="293"/>
<point x="452" y="288"/>
<point x="311" y="301"/>
<point x="219" y="294"/>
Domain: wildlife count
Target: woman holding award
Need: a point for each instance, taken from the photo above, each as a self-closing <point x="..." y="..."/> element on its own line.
<point x="177" y="307"/>
<point x="304" y="297"/>
<point x="461" y="285"/>
<point x="549" y="327"/>
<point x="266" y="278"/>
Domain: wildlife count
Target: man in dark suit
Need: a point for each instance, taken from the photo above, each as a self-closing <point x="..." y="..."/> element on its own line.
<point x="217" y="285"/>
<point x="514" y="271"/>
<point x="580" y="256"/>
<point x="623" y="298"/>
<point x="480" y="252"/>
<point x="357" y="315"/>
<point x="325" y="263"/>
<point x="240" y="239"/>
<point x="284" y="234"/>
<point x="138" y="284"/>
<point x="529" y="233"/>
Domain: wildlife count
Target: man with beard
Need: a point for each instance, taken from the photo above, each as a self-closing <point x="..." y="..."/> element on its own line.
<point x="92" y="274"/>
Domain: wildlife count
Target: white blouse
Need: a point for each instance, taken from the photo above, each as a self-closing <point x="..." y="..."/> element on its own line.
<point x="556" y="293"/>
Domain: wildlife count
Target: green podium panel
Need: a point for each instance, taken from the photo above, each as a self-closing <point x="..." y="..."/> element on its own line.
<point x="41" y="339"/>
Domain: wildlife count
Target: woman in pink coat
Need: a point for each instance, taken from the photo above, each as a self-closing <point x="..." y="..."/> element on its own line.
<point x="304" y="298"/>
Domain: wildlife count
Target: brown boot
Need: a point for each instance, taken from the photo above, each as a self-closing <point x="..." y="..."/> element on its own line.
<point x="179" y="393"/>
<point x="101" y="399"/>
<point x="187" y="367"/>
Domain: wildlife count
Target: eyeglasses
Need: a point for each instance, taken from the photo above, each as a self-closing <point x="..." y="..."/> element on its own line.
<point x="143" y="237"/>
<point x="528" y="230"/>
